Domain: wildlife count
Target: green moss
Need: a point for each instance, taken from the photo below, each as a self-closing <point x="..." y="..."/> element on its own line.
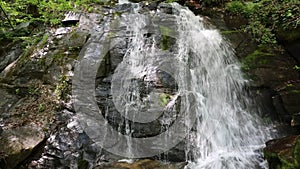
<point x="44" y="39"/>
<point x="283" y="160"/>
<point x="257" y="58"/>
<point x="83" y="164"/>
<point x="63" y="89"/>
<point x="297" y="153"/>
<point x="165" y="30"/>
<point x="166" y="40"/>
<point x="295" y="91"/>
<point x="164" y="99"/>
<point x="170" y="1"/>
<point x="230" y="32"/>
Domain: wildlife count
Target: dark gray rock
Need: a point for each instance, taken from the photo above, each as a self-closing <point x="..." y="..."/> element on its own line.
<point x="9" y="55"/>
<point x="17" y="144"/>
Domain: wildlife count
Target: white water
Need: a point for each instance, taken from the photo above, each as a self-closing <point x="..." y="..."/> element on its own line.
<point x="123" y="1"/>
<point x="228" y="134"/>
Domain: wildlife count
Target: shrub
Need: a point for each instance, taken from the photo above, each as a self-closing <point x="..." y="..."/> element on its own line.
<point x="267" y="17"/>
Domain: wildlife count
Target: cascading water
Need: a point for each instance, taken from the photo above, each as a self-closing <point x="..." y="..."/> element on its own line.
<point x="227" y="134"/>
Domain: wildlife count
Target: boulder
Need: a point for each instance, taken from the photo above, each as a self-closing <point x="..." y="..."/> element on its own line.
<point x="18" y="143"/>
<point x="283" y="153"/>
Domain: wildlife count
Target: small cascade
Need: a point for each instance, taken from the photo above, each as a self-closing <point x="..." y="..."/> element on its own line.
<point x="229" y="134"/>
<point x="210" y="85"/>
<point x="123" y="1"/>
<point x="178" y="82"/>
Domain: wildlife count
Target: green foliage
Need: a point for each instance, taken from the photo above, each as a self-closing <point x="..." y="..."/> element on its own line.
<point x="171" y="1"/>
<point x="41" y="107"/>
<point x="210" y="3"/>
<point x="62" y="88"/>
<point x="33" y="91"/>
<point x="267" y="17"/>
<point x="238" y="7"/>
<point x="48" y="12"/>
<point x="44" y="39"/>
<point x="29" y="17"/>
<point x="296" y="68"/>
<point x="167" y="40"/>
<point x="17" y="91"/>
<point x="164" y="99"/>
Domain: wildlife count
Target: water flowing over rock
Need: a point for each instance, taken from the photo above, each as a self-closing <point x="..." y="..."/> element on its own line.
<point x="166" y="82"/>
<point x="209" y="89"/>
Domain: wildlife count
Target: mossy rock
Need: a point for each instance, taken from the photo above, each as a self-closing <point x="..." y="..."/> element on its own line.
<point x="258" y="58"/>
<point x="283" y="153"/>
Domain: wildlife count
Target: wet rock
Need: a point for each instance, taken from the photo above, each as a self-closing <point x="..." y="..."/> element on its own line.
<point x="141" y="164"/>
<point x="70" y="147"/>
<point x="18" y="143"/>
<point x="281" y="113"/>
<point x="119" y="46"/>
<point x="274" y="70"/>
<point x="289" y="95"/>
<point x="283" y="153"/>
<point x="66" y="147"/>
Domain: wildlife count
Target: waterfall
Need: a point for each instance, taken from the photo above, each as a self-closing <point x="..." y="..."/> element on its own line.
<point x="228" y="134"/>
<point x="203" y="103"/>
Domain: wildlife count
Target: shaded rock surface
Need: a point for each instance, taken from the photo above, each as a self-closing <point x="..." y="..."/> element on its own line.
<point x="17" y="144"/>
<point x="274" y="83"/>
<point x="273" y="77"/>
<point x="27" y="112"/>
<point x="283" y="153"/>
<point x="36" y="86"/>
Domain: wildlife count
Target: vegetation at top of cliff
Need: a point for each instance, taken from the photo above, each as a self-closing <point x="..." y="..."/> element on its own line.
<point x="14" y="14"/>
<point x="268" y="18"/>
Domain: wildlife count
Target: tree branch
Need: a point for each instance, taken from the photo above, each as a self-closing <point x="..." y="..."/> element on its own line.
<point x="7" y="18"/>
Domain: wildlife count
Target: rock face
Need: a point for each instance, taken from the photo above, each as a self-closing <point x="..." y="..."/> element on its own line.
<point x="35" y="87"/>
<point x="17" y="144"/>
<point x="274" y="82"/>
<point x="272" y="72"/>
<point x="283" y="153"/>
